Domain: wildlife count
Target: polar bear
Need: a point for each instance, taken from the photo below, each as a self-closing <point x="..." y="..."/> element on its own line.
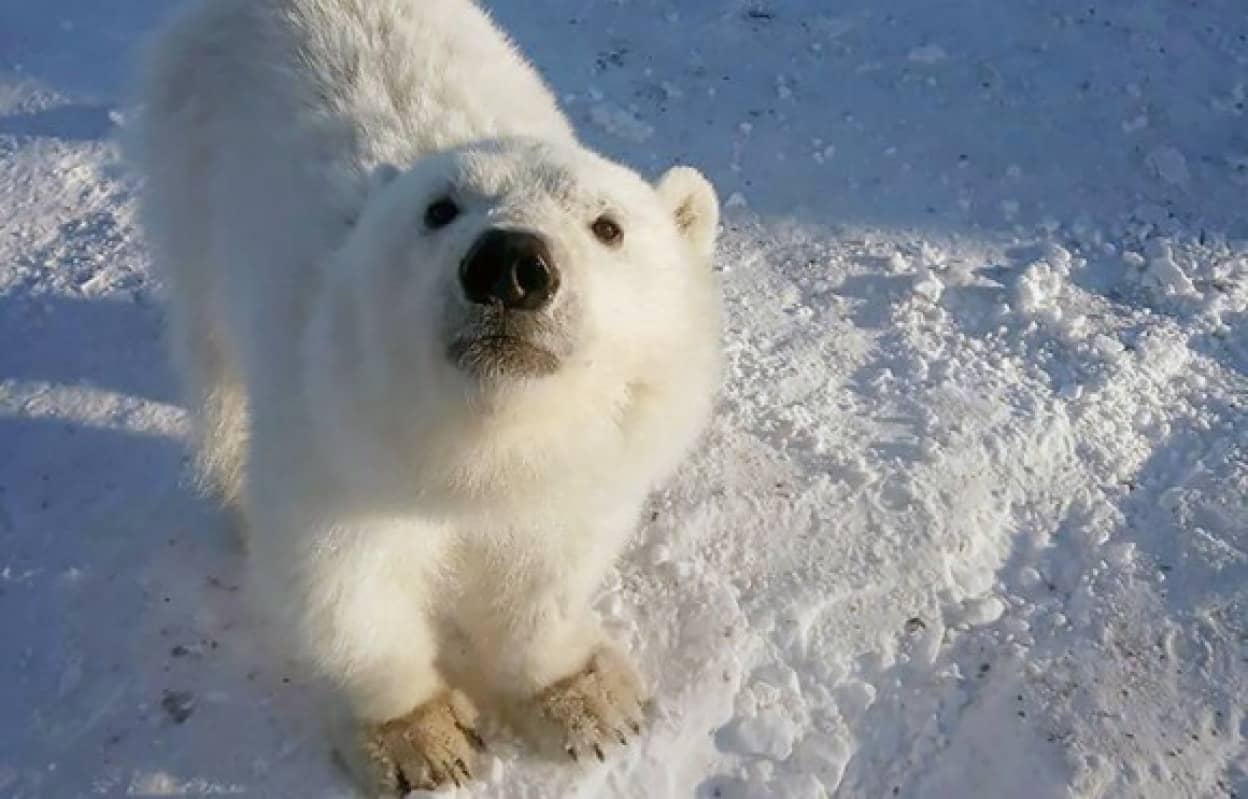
<point x="436" y="353"/>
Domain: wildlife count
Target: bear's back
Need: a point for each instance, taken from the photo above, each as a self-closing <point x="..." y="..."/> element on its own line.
<point x="377" y="80"/>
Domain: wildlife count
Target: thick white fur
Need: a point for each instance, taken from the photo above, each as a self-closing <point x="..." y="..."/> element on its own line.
<point x="290" y="148"/>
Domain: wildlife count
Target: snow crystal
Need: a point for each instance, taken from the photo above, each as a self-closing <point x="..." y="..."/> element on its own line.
<point x="768" y="734"/>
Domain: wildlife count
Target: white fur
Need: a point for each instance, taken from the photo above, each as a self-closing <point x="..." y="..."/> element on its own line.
<point x="290" y="148"/>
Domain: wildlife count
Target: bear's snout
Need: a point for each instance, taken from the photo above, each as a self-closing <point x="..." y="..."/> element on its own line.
<point x="509" y="268"/>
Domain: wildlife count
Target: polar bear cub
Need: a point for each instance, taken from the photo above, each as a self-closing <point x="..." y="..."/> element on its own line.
<point x="436" y="352"/>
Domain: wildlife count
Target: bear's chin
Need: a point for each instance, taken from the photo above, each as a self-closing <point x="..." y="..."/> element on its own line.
<point x="493" y="357"/>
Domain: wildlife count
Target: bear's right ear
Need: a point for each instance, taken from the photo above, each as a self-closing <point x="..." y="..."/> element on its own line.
<point x="691" y="201"/>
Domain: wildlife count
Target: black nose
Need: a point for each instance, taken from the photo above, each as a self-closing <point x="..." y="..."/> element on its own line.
<point x="511" y="268"/>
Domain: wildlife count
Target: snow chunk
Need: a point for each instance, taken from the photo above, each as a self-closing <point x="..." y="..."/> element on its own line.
<point x="620" y="122"/>
<point x="854" y="698"/>
<point x="1169" y="165"/>
<point x="1166" y="273"/>
<point x="1120" y="555"/>
<point x="1038" y="291"/>
<point x="931" y="256"/>
<point x="1057" y="255"/>
<point x="930" y="288"/>
<point x="768" y="735"/>
<point x="981" y="611"/>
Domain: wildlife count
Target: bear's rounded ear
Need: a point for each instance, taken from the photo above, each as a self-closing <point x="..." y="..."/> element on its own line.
<point x="691" y="201"/>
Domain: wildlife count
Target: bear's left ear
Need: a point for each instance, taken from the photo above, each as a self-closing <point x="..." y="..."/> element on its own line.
<point x="691" y="201"/>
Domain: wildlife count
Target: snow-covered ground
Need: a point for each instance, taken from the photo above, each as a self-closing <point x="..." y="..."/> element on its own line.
<point x="972" y="520"/>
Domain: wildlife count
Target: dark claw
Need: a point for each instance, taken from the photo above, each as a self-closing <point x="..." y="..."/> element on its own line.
<point x="572" y="754"/>
<point x="598" y="751"/>
<point x="459" y="761"/>
<point x="636" y="728"/>
<point x="451" y="773"/>
<point x="473" y="737"/>
<point x="619" y="736"/>
<point x="401" y="782"/>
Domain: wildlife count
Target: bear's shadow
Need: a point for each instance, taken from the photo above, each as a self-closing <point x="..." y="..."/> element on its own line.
<point x="104" y="344"/>
<point x="120" y="582"/>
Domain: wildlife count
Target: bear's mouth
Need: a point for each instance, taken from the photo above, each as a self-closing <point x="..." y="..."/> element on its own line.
<point x="499" y="355"/>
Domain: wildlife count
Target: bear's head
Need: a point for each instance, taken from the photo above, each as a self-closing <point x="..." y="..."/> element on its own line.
<point x="516" y="296"/>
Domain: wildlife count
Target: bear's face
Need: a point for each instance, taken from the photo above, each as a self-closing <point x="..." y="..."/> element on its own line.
<point x="507" y="263"/>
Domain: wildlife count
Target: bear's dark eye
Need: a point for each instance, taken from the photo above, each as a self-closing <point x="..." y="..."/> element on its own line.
<point x="607" y="231"/>
<point x="441" y="213"/>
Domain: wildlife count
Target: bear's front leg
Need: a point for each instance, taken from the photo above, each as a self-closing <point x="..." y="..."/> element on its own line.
<point x="601" y="704"/>
<point x="544" y="651"/>
<point x="361" y="618"/>
<point x="432" y="746"/>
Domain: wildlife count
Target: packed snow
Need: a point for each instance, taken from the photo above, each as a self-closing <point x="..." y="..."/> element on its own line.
<point x="972" y="518"/>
